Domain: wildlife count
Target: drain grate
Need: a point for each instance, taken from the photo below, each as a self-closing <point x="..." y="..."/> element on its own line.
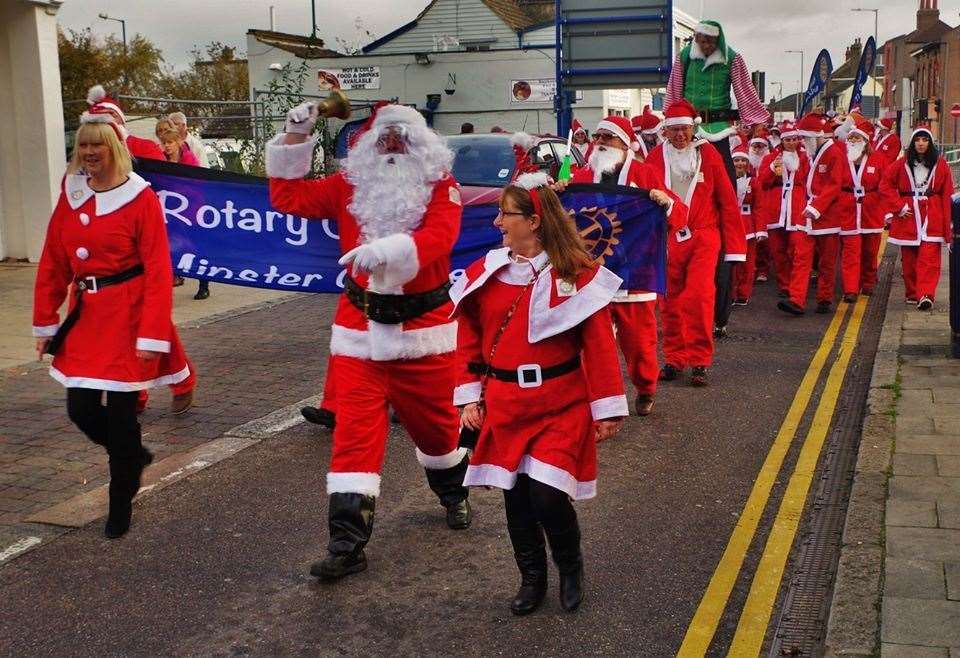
<point x="801" y="627"/>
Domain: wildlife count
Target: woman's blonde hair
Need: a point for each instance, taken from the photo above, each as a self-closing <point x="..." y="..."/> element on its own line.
<point x="558" y="232"/>
<point x="101" y="133"/>
<point x="167" y="131"/>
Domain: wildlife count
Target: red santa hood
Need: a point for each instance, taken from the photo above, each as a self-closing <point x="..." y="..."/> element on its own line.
<point x="555" y="305"/>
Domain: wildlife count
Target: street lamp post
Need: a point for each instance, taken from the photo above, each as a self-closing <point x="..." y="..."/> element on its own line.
<point x="796" y="113"/>
<point x="123" y="31"/>
<point x="873" y="73"/>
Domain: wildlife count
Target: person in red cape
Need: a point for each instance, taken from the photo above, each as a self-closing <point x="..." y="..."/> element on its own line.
<point x="818" y="227"/>
<point x="754" y="229"/>
<point x="695" y="172"/>
<point x="538" y="378"/>
<point x="106" y="247"/>
<point x="917" y="191"/>
<point x="614" y="160"/>
<point x="860" y="207"/>
<point x="398" y="213"/>
<point x="886" y="141"/>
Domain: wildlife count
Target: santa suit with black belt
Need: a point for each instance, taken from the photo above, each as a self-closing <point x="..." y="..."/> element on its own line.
<point x="754" y="229"/>
<point x="713" y="223"/>
<point x="918" y="203"/>
<point x="410" y="364"/>
<point x="634" y="311"/>
<point x="860" y="208"/>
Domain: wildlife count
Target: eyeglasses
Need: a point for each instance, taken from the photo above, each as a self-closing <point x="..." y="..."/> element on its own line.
<point x="511" y="212"/>
<point x="604" y="137"/>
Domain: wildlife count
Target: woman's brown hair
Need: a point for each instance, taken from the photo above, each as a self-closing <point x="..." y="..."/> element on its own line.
<point x="558" y="231"/>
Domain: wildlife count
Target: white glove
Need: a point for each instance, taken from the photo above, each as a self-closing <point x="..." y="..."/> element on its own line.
<point x="302" y="119"/>
<point x="365" y="258"/>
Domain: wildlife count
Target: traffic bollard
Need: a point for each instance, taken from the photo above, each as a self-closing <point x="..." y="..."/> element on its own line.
<point x="955" y="279"/>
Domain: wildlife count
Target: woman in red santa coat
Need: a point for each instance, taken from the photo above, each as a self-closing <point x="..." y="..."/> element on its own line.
<point x="861" y="212"/>
<point x="754" y="228"/>
<point x="538" y="377"/>
<point x="917" y="192"/>
<point x="107" y="244"/>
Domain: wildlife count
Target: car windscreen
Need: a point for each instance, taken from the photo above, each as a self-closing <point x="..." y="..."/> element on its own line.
<point x="482" y="161"/>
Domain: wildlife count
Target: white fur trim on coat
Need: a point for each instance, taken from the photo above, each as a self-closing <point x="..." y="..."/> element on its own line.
<point x="813" y="211"/>
<point x="153" y="345"/>
<point x="735" y="258"/>
<point x="392" y="115"/>
<point x="441" y="462"/>
<point x="386" y="342"/>
<point x="491" y="475"/>
<point x="289" y="161"/>
<point x="113" y="385"/>
<point x="46" y="332"/>
<point x="614" y="406"/>
<point x="367" y="484"/>
<point x="546" y="321"/>
<point x="466" y="394"/>
<point x="400" y="261"/>
<point x="526" y="141"/>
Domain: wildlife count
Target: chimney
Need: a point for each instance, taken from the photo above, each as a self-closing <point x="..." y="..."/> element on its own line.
<point x="854" y="49"/>
<point x="928" y="14"/>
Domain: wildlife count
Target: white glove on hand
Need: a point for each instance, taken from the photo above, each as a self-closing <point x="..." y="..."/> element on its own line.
<point x="365" y="258"/>
<point x="302" y="119"/>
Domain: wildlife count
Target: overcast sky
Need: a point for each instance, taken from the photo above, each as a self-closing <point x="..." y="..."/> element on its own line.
<point x="759" y="31"/>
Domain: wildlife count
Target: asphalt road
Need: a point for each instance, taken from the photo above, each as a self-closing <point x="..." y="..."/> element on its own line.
<point x="217" y="564"/>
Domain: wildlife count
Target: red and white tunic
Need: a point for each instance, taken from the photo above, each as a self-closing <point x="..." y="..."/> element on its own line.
<point x="859" y="205"/>
<point x="101" y="234"/>
<point x="784" y="196"/>
<point x="926" y="194"/>
<point x="416" y="262"/>
<point x="748" y="196"/>
<point x="823" y="187"/>
<point x="547" y="431"/>
<point x="888" y="145"/>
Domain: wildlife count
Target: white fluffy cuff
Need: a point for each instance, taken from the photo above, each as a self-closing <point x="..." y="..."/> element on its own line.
<point x="441" y="462"/>
<point x="153" y="345"/>
<point x="614" y="406"/>
<point x="400" y="260"/>
<point x="813" y="211"/>
<point x="47" y="331"/>
<point x="466" y="393"/>
<point x="367" y="484"/>
<point x="290" y="161"/>
<point x="735" y="258"/>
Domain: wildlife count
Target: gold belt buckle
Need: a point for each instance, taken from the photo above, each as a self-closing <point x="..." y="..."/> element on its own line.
<point x="366" y="304"/>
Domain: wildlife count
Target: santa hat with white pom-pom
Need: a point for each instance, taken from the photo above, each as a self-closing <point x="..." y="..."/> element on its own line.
<point x="620" y="126"/>
<point x="104" y="109"/>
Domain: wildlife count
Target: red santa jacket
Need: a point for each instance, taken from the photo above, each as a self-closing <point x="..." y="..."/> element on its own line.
<point x="415" y="262"/>
<point x="558" y="323"/>
<point x="638" y="174"/>
<point x="98" y="234"/>
<point x="784" y="196"/>
<point x="859" y="204"/>
<point x="710" y="199"/>
<point x="144" y="148"/>
<point x="748" y="194"/>
<point x="823" y="187"/>
<point x="928" y="201"/>
<point x="889" y="147"/>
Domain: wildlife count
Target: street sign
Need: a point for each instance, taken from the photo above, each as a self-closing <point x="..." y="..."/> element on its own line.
<point x="955" y="110"/>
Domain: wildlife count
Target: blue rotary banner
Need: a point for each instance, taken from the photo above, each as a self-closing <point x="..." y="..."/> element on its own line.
<point x="222" y="228"/>
<point x="822" y="70"/>
<point x="865" y="68"/>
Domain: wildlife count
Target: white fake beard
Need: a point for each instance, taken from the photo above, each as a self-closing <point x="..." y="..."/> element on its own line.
<point x="606" y="160"/>
<point x="390" y="196"/>
<point x="854" y="151"/>
<point x="791" y="161"/>
<point x="755" y="159"/>
<point x="682" y="163"/>
<point x="774" y="141"/>
<point x="810" y="143"/>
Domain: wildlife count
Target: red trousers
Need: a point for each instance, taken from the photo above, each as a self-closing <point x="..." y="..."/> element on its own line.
<point x="801" y="262"/>
<point x="419" y="390"/>
<point x="179" y="388"/>
<point x="921" y="269"/>
<point x="636" y="324"/>
<point x="329" y="400"/>
<point x="763" y="258"/>
<point x="858" y="261"/>
<point x="688" y="305"/>
<point x="779" y="246"/>
<point x="744" y="273"/>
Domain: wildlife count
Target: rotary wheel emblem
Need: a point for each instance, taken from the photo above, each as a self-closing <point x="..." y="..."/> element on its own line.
<point x="599" y="229"/>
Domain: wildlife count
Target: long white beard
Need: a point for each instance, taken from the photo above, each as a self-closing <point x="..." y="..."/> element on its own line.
<point x="810" y="143"/>
<point x="606" y="160"/>
<point x="755" y="159"/>
<point x="791" y="160"/>
<point x="774" y="141"/>
<point x="390" y="196"/>
<point x="684" y="162"/>
<point x="854" y="151"/>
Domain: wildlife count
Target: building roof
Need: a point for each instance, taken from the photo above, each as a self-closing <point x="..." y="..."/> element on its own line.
<point x="302" y="46"/>
<point x="785" y="104"/>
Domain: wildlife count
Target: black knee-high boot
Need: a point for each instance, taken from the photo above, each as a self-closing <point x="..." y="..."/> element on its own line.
<point x="529" y="550"/>
<point x="351" y="523"/>
<point x="565" y="548"/>
<point x="447" y="483"/>
<point x="128" y="458"/>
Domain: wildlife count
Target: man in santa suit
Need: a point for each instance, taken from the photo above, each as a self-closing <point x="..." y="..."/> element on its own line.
<point x="819" y="227"/>
<point x="755" y="230"/>
<point x="614" y="161"/>
<point x="783" y="198"/>
<point x="759" y="149"/>
<point x="695" y="172"/>
<point x="581" y="141"/>
<point x="860" y="207"/>
<point x="886" y="142"/>
<point x="647" y="128"/>
<point x="398" y="213"/>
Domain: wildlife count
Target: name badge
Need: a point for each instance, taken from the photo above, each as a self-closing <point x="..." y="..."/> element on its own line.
<point x="684" y="234"/>
<point x="871" y="170"/>
<point x="822" y="168"/>
<point x="699" y="176"/>
<point x="565" y="288"/>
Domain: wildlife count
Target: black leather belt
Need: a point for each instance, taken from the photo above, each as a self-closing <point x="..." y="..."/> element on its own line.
<point x="394" y="309"/>
<point x="709" y="116"/>
<point x="526" y="376"/>
<point x="90" y="285"/>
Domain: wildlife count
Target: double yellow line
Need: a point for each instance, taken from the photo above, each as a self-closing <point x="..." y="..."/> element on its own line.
<point x="755" y="616"/>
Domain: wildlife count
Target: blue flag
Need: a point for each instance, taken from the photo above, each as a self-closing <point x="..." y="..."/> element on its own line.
<point x="822" y="70"/>
<point x="867" y="58"/>
<point x="222" y="228"/>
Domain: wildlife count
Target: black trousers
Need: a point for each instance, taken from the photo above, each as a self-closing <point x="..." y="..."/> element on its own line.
<point x="531" y="503"/>
<point x="723" y="277"/>
<point x="113" y="425"/>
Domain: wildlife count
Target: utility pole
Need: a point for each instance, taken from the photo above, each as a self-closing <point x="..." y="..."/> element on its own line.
<point x="796" y="113"/>
<point x="123" y="31"/>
